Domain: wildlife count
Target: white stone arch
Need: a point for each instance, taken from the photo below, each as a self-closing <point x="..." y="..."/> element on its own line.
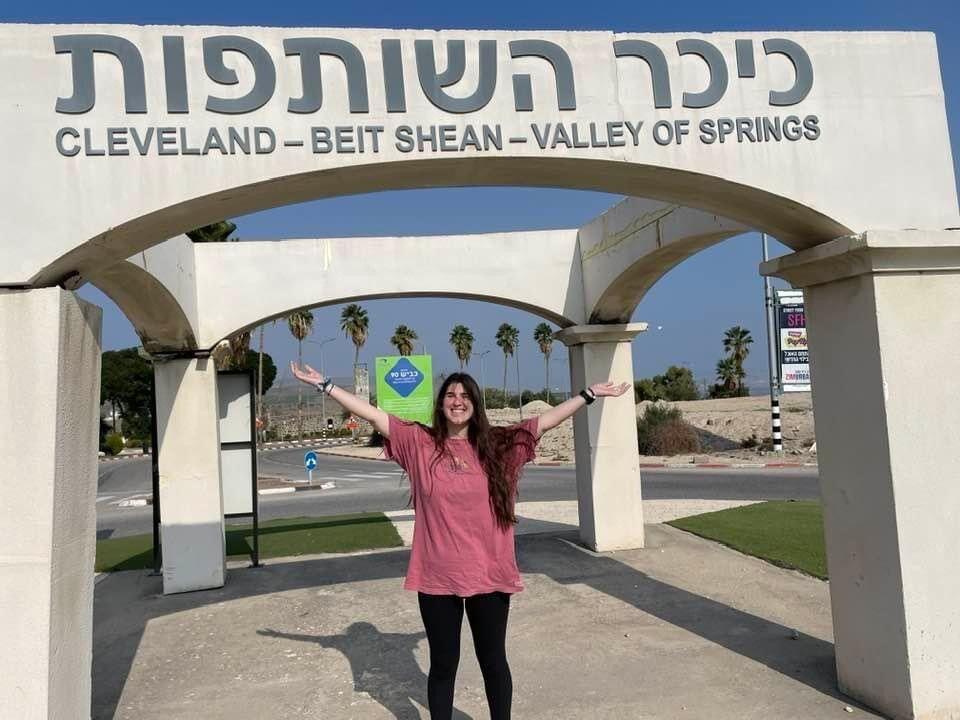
<point x="867" y="199"/>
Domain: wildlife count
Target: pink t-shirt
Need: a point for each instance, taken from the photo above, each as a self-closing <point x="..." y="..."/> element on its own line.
<point x="458" y="548"/>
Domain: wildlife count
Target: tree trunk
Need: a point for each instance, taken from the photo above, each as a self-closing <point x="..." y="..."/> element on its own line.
<point x="546" y="362"/>
<point x="519" y="389"/>
<point x="505" y="403"/>
<point x="300" y="392"/>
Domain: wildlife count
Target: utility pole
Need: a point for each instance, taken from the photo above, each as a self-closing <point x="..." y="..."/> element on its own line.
<point x="772" y="363"/>
<point x="260" y="433"/>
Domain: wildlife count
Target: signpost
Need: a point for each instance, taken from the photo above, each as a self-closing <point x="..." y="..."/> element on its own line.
<point x="405" y="386"/>
<point x="310" y="463"/>
<point x="792" y="353"/>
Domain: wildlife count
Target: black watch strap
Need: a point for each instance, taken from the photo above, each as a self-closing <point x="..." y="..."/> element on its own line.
<point x="588" y="396"/>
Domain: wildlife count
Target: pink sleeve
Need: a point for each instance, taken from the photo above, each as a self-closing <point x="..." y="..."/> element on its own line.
<point x="525" y="439"/>
<point x="402" y="444"/>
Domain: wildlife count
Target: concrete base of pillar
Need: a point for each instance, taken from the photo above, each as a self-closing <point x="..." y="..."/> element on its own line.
<point x="188" y="454"/>
<point x="50" y="386"/>
<point x="605" y="438"/>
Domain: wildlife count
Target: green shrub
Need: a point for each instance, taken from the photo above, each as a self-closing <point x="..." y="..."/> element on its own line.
<point x="134" y="443"/>
<point x="113" y="443"/>
<point x="663" y="431"/>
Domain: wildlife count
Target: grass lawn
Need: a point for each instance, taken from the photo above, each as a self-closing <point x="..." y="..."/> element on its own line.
<point x="278" y="538"/>
<point x="788" y="534"/>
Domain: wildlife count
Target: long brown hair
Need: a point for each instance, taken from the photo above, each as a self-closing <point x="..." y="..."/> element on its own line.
<point x="493" y="446"/>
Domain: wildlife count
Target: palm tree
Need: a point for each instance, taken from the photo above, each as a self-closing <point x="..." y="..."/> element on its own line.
<point x="215" y="232"/>
<point x="402" y="339"/>
<point x="737" y="341"/>
<point x="543" y="335"/>
<point x="355" y="325"/>
<point x="727" y="373"/>
<point x="462" y="340"/>
<point x="301" y="325"/>
<point x="507" y="338"/>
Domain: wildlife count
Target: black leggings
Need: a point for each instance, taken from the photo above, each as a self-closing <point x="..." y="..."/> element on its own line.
<point x="442" y="618"/>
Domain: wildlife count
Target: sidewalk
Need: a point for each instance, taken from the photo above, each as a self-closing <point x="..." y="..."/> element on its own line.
<point x="682" y="629"/>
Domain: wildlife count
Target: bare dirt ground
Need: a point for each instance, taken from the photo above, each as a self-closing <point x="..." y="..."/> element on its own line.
<point x="723" y="426"/>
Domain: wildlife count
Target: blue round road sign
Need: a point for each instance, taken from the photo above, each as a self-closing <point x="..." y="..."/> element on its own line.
<point x="310" y="460"/>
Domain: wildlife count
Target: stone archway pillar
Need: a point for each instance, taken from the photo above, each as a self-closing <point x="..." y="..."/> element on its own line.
<point x="188" y="455"/>
<point x="605" y="438"/>
<point x="50" y="390"/>
<point x="884" y="326"/>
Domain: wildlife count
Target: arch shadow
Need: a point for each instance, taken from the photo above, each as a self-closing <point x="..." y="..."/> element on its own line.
<point x="126" y="603"/>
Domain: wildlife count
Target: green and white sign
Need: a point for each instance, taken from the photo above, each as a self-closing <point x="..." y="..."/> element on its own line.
<point x="405" y="386"/>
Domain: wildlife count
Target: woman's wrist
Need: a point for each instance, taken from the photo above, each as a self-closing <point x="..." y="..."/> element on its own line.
<point x="325" y="386"/>
<point x="588" y="395"/>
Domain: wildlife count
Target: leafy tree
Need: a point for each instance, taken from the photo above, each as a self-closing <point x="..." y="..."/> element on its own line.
<point x="125" y="382"/>
<point x="301" y="325"/>
<point x="678" y="384"/>
<point x="507" y="338"/>
<point x="251" y="361"/>
<point x="647" y="389"/>
<point x="543" y="336"/>
<point x="462" y="340"/>
<point x="737" y="341"/>
<point x="402" y="340"/>
<point x="355" y="325"/>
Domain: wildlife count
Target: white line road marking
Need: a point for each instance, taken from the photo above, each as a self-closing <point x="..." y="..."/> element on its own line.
<point x="104" y="498"/>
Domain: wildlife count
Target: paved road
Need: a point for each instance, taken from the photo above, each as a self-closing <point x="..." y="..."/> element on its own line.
<point x="372" y="485"/>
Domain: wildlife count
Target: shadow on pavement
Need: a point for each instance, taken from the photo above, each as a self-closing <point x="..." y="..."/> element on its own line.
<point x="125" y="604"/>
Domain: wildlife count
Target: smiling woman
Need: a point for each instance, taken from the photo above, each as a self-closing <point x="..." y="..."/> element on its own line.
<point x="463" y="481"/>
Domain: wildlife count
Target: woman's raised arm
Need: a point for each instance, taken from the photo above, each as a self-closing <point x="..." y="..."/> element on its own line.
<point x="350" y="402"/>
<point x="554" y="416"/>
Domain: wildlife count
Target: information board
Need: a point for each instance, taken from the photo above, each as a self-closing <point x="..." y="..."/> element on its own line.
<point x="405" y="386"/>
<point x="792" y="351"/>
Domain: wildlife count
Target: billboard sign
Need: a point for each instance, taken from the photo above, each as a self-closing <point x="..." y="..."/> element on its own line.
<point x="405" y="386"/>
<point x="792" y="352"/>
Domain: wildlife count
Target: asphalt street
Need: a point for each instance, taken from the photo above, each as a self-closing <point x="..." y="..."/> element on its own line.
<point x="374" y="485"/>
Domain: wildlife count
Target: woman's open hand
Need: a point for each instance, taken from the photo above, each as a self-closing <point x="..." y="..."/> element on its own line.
<point x="608" y="389"/>
<point x="306" y="374"/>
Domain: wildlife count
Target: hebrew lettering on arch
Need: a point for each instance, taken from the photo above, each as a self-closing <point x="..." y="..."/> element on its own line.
<point x="562" y="71"/>
<point x="718" y="73"/>
<point x="659" y="73"/>
<point x="81" y="49"/>
<point x="801" y="66"/>
<point x="433" y="84"/>
<point x="265" y="75"/>
<point x="310" y="50"/>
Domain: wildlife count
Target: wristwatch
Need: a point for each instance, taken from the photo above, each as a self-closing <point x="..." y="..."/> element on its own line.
<point x="326" y="386"/>
<point x="587" y="394"/>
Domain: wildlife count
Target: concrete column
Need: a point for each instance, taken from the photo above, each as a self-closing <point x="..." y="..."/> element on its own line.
<point x="883" y="328"/>
<point x="191" y="499"/>
<point x="50" y="390"/>
<point x="605" y="438"/>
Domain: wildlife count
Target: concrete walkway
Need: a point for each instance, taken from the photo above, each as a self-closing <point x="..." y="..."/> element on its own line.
<point x="682" y="629"/>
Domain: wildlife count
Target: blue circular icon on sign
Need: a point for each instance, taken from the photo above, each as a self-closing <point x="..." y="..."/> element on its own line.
<point x="310" y="460"/>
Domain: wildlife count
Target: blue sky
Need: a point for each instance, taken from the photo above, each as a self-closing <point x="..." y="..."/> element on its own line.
<point x="718" y="288"/>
